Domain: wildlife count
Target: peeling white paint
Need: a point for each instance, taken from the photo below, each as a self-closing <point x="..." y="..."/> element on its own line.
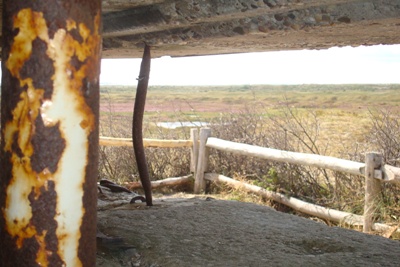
<point x="68" y="109"/>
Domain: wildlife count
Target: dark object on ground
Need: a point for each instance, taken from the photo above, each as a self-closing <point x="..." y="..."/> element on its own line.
<point x="133" y="200"/>
<point x="113" y="186"/>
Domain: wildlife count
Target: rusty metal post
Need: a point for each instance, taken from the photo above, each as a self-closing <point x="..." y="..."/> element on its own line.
<point x="49" y="132"/>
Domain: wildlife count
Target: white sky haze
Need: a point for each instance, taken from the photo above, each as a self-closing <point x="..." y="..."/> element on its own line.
<point x="346" y="65"/>
<point x="365" y="64"/>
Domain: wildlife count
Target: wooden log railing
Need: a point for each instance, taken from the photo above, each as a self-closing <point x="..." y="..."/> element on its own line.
<point x="111" y="141"/>
<point x="173" y="181"/>
<point x="374" y="171"/>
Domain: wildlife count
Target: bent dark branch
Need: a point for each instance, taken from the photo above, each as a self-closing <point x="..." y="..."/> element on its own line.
<point x="137" y="135"/>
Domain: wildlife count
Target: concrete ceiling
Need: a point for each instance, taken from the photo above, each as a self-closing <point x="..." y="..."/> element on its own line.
<point x="203" y="27"/>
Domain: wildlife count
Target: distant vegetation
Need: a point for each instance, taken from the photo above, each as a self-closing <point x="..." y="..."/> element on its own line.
<point x="270" y="95"/>
<point x="336" y="120"/>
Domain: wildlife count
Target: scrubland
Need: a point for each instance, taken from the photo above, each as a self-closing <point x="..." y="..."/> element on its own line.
<point x="344" y="121"/>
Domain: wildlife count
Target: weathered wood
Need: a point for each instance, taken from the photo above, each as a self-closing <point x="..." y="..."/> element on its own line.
<point x="391" y="174"/>
<point x="194" y="150"/>
<point x="299" y="205"/>
<point x="200" y="183"/>
<point x="373" y="161"/>
<point x="326" y="162"/>
<point x="111" y="141"/>
<point x="387" y="173"/>
<point x="173" y="181"/>
<point x="389" y="232"/>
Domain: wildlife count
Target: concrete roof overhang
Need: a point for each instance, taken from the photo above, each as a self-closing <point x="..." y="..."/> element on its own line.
<point x="204" y="27"/>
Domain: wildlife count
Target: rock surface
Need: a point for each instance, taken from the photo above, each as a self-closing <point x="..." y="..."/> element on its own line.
<point x="199" y="27"/>
<point x="203" y="27"/>
<point x="199" y="231"/>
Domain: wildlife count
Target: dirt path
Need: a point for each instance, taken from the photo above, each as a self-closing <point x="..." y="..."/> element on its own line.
<point x="196" y="231"/>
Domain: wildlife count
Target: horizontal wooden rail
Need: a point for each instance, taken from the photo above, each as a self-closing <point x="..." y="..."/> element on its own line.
<point x="297" y="204"/>
<point x="326" y="162"/>
<point x="374" y="168"/>
<point x="173" y="181"/>
<point x="111" y="141"/>
<point x="391" y="173"/>
<point x="294" y="203"/>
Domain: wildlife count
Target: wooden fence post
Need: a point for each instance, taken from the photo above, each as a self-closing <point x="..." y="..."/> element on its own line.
<point x="194" y="150"/>
<point x="373" y="161"/>
<point x="200" y="183"/>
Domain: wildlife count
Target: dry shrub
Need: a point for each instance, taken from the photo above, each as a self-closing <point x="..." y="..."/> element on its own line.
<point x="119" y="163"/>
<point x="291" y="130"/>
<point x="243" y="127"/>
<point x="385" y="137"/>
<point x="300" y="131"/>
<point x="385" y="134"/>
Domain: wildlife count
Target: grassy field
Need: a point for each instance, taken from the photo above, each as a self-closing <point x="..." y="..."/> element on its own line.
<point x="342" y="110"/>
<point x="302" y="96"/>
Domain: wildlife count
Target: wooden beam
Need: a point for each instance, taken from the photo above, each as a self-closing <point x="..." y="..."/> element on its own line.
<point x="173" y="181"/>
<point x="194" y="151"/>
<point x="299" y="205"/>
<point x="390" y="174"/>
<point x="373" y="161"/>
<point x="319" y="161"/>
<point x="200" y="183"/>
<point x="111" y="141"/>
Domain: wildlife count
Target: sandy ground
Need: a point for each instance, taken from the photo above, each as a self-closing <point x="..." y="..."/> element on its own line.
<point x="187" y="230"/>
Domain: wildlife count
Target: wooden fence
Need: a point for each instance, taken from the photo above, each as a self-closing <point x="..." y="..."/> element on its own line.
<point x="374" y="171"/>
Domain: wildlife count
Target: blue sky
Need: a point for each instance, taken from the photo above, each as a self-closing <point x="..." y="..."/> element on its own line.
<point x="365" y="64"/>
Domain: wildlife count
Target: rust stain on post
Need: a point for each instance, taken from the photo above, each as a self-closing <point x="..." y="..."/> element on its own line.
<point x="49" y="132"/>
